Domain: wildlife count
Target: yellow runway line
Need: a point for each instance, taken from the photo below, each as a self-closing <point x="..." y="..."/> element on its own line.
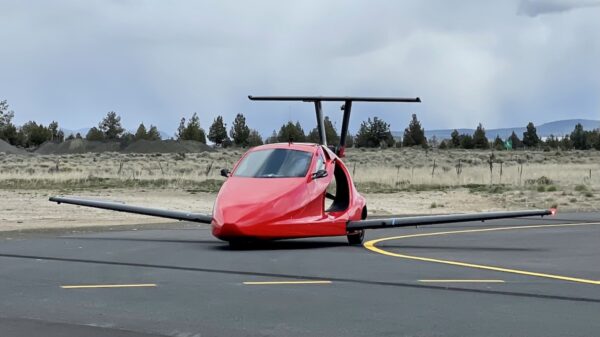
<point x="462" y="281"/>
<point x="370" y="245"/>
<point x="286" y="282"/>
<point x="91" y="286"/>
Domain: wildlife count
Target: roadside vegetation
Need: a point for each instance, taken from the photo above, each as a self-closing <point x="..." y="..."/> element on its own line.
<point x="568" y="179"/>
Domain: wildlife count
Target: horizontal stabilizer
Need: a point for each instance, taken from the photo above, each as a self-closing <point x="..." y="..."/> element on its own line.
<point x="346" y="107"/>
<point x="334" y="99"/>
<point x="121" y="207"/>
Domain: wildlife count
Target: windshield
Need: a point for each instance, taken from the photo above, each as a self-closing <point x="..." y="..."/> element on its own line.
<point x="274" y="163"/>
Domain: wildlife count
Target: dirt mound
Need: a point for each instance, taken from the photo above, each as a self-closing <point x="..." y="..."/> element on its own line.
<point x="75" y="146"/>
<point x="7" y="148"/>
<point x="166" y="146"/>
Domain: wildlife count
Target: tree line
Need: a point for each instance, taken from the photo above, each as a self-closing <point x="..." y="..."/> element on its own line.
<point x="32" y="134"/>
<point x="372" y="133"/>
<point x="578" y="139"/>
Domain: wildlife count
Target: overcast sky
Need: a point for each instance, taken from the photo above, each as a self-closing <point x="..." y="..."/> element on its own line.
<point x="501" y="63"/>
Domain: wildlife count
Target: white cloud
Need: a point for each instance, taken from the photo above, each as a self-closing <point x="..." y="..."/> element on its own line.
<point x="539" y="7"/>
<point x="471" y="61"/>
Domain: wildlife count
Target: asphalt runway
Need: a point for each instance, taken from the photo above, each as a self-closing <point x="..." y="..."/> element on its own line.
<point x="520" y="277"/>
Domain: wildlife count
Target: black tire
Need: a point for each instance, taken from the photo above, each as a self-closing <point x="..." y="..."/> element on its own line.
<point x="356" y="238"/>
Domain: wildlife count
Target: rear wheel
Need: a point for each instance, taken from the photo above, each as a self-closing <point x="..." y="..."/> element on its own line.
<point x="356" y="238"/>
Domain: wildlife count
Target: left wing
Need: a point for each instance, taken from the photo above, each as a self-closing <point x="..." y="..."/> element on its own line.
<point x="439" y="219"/>
<point x="121" y="207"/>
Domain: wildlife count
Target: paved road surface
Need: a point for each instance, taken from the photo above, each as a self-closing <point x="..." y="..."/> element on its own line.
<point x="528" y="281"/>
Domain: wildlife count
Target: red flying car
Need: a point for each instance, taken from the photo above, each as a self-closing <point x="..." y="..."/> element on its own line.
<point x="296" y="190"/>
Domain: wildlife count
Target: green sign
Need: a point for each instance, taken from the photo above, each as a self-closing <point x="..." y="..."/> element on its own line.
<point x="508" y="144"/>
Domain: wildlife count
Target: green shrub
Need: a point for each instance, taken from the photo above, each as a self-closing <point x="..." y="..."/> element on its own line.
<point x="543" y="180"/>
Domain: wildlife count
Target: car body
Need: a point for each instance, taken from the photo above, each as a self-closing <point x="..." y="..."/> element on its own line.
<point x="268" y="207"/>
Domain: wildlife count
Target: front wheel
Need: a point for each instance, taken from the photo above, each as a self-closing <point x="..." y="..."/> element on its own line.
<point x="356" y="238"/>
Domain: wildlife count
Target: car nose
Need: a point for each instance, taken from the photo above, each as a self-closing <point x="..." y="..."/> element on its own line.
<point x="226" y="230"/>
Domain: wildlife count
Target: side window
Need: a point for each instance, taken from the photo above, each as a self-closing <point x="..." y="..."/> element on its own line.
<point x="320" y="163"/>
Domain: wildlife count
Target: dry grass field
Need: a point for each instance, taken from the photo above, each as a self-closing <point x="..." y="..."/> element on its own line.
<point x="395" y="181"/>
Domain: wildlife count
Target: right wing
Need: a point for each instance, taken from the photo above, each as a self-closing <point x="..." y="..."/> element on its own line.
<point x="121" y="207"/>
<point x="440" y="219"/>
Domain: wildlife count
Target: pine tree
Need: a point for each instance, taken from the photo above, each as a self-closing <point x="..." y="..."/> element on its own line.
<point x="596" y="143"/>
<point x="291" y="132"/>
<point x="566" y="143"/>
<point x="56" y="134"/>
<point x="126" y="139"/>
<point x="192" y="131"/>
<point x="331" y="134"/>
<point x="498" y="143"/>
<point x="153" y="133"/>
<point x="272" y="139"/>
<point x="466" y="142"/>
<point x="455" y="139"/>
<point x="363" y="136"/>
<point x="6" y="115"/>
<point x="530" y="137"/>
<point x="515" y="141"/>
<point x="33" y="134"/>
<point x="217" y="133"/>
<point x="240" y="132"/>
<point x="8" y="131"/>
<point x="480" y="141"/>
<point x="111" y="126"/>
<point x="414" y="134"/>
<point x="180" y="129"/>
<point x="313" y="136"/>
<point x="374" y="133"/>
<point x="141" y="132"/>
<point x="94" y="134"/>
<point x="254" y="139"/>
<point x="578" y="138"/>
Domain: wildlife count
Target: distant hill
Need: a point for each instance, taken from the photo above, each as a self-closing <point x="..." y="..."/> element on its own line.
<point x="556" y="128"/>
<point x="84" y="132"/>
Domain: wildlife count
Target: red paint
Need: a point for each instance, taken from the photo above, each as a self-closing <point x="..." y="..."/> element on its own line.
<point x="282" y="208"/>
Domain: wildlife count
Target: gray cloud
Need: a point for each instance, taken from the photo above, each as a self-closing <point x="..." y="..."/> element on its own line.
<point x="153" y="61"/>
<point x="538" y="7"/>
